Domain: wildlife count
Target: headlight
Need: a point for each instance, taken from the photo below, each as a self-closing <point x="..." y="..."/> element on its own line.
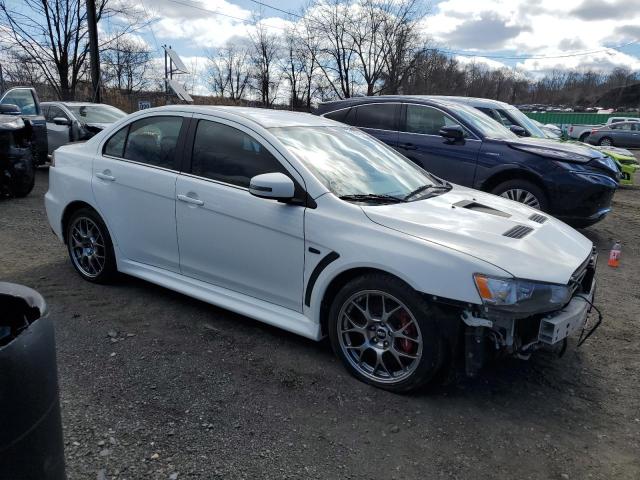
<point x="521" y="297"/>
<point x="607" y="162"/>
<point x="555" y="154"/>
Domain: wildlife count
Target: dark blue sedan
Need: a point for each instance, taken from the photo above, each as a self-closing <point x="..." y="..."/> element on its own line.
<point x="458" y="143"/>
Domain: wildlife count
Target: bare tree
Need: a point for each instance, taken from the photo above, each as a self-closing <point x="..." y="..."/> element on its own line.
<point x="229" y="72"/>
<point x="53" y="35"/>
<point x="126" y="63"/>
<point x="328" y="21"/>
<point x="264" y="55"/>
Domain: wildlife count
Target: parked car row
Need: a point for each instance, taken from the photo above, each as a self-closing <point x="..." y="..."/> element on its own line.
<point x="32" y="130"/>
<point x="319" y="228"/>
<point x="455" y="139"/>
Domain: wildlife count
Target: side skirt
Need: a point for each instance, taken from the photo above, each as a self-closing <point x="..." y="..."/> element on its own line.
<point x="260" y="310"/>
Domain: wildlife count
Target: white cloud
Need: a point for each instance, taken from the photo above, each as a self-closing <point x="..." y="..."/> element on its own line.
<point x="540" y="28"/>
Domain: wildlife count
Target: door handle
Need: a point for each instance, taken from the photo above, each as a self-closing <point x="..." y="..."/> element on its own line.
<point x="408" y="146"/>
<point x="191" y="200"/>
<point x="106" y="175"/>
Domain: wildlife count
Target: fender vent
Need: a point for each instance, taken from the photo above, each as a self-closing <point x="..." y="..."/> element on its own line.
<point x="519" y="231"/>
<point x="536" y="217"/>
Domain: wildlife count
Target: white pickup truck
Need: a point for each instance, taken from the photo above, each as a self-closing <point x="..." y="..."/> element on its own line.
<point x="581" y="132"/>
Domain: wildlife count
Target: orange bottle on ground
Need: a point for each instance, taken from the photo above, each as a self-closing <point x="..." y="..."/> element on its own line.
<point x="614" y="255"/>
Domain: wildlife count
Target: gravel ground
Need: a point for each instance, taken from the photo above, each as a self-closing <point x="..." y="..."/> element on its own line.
<point x="155" y="385"/>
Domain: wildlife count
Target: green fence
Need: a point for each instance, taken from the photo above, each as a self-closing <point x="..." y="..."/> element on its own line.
<point x="571" y="118"/>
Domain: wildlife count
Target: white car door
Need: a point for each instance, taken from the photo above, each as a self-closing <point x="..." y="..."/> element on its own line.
<point x="134" y="181"/>
<point x="228" y="237"/>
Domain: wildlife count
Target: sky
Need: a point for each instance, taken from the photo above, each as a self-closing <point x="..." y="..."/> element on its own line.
<point x="476" y="30"/>
<point x="549" y="34"/>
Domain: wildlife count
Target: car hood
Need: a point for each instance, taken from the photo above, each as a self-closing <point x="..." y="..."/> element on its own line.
<point x="475" y="223"/>
<point x="557" y="144"/>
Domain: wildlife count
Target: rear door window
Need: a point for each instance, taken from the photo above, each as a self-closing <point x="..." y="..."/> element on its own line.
<point x="380" y="116"/>
<point x="153" y="141"/>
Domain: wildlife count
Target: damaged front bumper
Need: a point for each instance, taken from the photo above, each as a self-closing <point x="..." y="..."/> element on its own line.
<point x="488" y="335"/>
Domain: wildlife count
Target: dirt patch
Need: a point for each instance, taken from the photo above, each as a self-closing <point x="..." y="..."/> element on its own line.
<point x="154" y="384"/>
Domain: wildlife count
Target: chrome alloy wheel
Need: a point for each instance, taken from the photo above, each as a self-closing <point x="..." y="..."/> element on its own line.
<point x="87" y="247"/>
<point x="379" y="336"/>
<point x="522" y="196"/>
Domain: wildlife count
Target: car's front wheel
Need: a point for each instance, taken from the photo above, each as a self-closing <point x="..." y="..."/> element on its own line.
<point x="522" y="191"/>
<point x="386" y="334"/>
<point x="90" y="247"/>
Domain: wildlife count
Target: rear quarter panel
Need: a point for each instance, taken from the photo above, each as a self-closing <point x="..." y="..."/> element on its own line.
<point x="69" y="181"/>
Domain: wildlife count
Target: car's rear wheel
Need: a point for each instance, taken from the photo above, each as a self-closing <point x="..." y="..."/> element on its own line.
<point x="386" y="334"/>
<point x="90" y="247"/>
<point x="605" y="142"/>
<point x="583" y="137"/>
<point x="23" y="185"/>
<point x="522" y="191"/>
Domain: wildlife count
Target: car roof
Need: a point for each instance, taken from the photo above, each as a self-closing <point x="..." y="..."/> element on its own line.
<point x="264" y="117"/>
<point x="475" y="101"/>
<point x="72" y="104"/>
<point x="425" y="99"/>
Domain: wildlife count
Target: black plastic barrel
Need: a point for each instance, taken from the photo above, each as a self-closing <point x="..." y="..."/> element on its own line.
<point x="31" y="445"/>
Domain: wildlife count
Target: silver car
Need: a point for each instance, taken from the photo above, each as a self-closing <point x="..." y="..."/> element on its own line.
<point x="75" y="121"/>
<point x="621" y="134"/>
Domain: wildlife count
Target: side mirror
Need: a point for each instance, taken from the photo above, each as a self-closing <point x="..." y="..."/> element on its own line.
<point x="10" y="109"/>
<point x="518" y="130"/>
<point x="275" y="186"/>
<point x="454" y="133"/>
<point x="62" y="121"/>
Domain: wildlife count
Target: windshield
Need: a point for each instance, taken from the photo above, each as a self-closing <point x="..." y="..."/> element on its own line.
<point x="96" y="113"/>
<point x="350" y="162"/>
<point x="525" y="122"/>
<point x="485" y="125"/>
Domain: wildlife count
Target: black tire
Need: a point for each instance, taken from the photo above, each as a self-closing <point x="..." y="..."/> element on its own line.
<point x="583" y="137"/>
<point x="108" y="271"/>
<point x="526" y="186"/>
<point x="610" y="140"/>
<point x="427" y="317"/>
<point x="22" y="186"/>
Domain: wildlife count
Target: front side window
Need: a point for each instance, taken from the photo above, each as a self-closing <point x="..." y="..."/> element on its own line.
<point x="55" y="112"/>
<point x="427" y="120"/>
<point x="229" y="155"/>
<point x="381" y="116"/>
<point x="153" y="141"/>
<point x="350" y="162"/>
<point x="23" y="98"/>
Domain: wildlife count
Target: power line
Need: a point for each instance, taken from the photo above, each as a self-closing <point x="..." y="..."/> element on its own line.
<point x="277" y="9"/>
<point x="215" y="12"/>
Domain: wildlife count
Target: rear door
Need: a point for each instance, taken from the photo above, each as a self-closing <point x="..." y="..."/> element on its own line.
<point x="134" y="183"/>
<point x="420" y="141"/>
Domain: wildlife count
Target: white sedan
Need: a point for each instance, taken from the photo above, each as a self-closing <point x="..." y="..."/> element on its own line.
<point x="320" y="229"/>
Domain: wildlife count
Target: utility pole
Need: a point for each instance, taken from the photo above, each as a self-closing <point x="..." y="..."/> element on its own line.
<point x="92" y="25"/>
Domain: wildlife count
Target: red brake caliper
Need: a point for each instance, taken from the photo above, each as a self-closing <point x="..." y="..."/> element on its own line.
<point x="410" y="331"/>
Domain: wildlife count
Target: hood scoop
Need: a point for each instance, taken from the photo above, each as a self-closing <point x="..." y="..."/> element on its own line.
<point x="519" y="231"/>
<point x="536" y="217"/>
<point x="478" y="207"/>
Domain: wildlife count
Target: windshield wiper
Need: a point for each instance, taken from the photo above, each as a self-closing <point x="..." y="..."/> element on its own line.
<point x="373" y="197"/>
<point x="425" y="188"/>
